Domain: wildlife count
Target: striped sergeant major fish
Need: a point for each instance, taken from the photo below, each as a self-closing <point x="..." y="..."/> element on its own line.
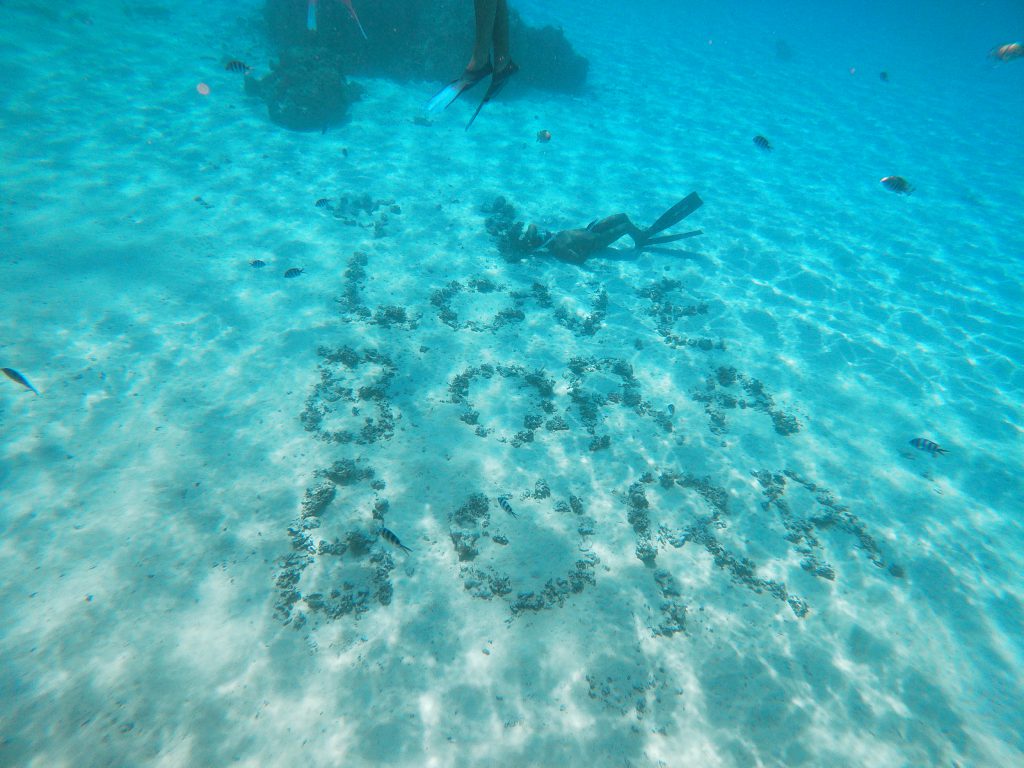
<point x="897" y="184"/>
<point x="926" y="445"/>
<point x="16" y="377"/>
<point x="503" y="503"/>
<point x="390" y="538"/>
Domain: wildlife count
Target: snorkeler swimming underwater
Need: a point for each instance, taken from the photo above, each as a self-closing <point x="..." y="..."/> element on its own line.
<point x="576" y="245"/>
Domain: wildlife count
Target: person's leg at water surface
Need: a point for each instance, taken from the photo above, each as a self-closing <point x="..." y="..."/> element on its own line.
<point x="490" y="57"/>
<point x="491" y="35"/>
<point x="311" y="16"/>
<point x="501" y="62"/>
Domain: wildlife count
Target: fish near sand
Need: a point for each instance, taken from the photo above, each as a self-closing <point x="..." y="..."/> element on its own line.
<point x="17" y="378"/>
<point x="543" y="136"/>
<point x="503" y="503"/>
<point x="293" y="272"/>
<point x="390" y="538"/>
<point x="763" y="143"/>
<point x="238" y="67"/>
<point x="928" y="446"/>
<point x="897" y="184"/>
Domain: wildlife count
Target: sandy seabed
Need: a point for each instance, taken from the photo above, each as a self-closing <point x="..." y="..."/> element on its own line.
<point x="719" y="548"/>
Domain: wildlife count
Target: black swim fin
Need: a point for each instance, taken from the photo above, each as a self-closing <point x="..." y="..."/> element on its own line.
<point x="672" y="238"/>
<point x="498" y="80"/>
<point x="673" y="215"/>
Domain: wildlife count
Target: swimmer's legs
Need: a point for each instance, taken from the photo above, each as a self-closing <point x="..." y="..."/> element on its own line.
<point x="486" y="12"/>
<point x="491" y="35"/>
<point x="490" y="57"/>
<point x="499" y="39"/>
<point x="479" y="65"/>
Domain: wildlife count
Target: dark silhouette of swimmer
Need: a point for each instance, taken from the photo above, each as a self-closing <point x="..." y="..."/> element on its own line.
<point x="577" y="245"/>
<point x="491" y="36"/>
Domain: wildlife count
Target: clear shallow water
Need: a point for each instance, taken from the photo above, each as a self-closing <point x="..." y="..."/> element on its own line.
<point x="155" y="492"/>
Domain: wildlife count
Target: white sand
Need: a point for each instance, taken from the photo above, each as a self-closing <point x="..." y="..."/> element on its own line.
<point x="148" y="492"/>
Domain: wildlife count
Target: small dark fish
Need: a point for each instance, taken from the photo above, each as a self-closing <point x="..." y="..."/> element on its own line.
<point x="926" y="445"/>
<point x="238" y="66"/>
<point x="883" y="76"/>
<point x="763" y="143"/>
<point x="323" y="202"/>
<point x="671" y="410"/>
<point x="390" y="538"/>
<point x="294" y="272"/>
<point x="16" y="377"/>
<point x="257" y="264"/>
<point x="897" y="184"/>
<point x="503" y="503"/>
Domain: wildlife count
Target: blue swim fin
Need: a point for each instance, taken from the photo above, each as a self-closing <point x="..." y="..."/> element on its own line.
<point x="457" y="87"/>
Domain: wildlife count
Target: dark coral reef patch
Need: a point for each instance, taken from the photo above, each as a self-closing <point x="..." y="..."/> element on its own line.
<point x="306" y="89"/>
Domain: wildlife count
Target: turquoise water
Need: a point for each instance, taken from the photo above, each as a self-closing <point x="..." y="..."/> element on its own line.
<point x="719" y="548"/>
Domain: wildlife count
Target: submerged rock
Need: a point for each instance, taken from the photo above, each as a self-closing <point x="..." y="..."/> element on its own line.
<point x="306" y="89"/>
